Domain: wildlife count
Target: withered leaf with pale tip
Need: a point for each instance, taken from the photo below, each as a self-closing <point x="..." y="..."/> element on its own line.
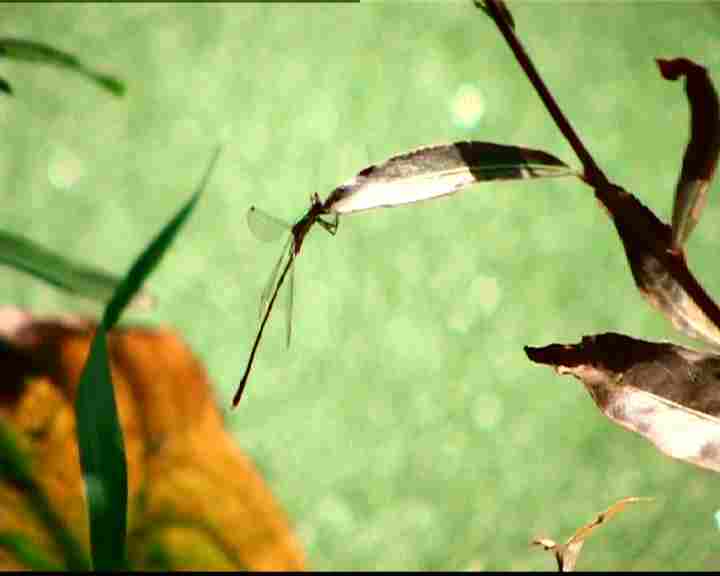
<point x="668" y="394"/>
<point x="434" y="171"/>
<point x="567" y="554"/>
<point x="701" y="154"/>
<point x="654" y="249"/>
<point x="661" y="273"/>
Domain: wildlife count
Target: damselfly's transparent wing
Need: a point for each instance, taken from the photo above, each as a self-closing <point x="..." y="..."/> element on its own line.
<point x="267" y="227"/>
<point x="273" y="278"/>
<point x="290" y="294"/>
<point x="264" y="226"/>
<point x="289" y="288"/>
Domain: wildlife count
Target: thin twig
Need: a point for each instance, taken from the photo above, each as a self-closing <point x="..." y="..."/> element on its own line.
<point x="593" y="175"/>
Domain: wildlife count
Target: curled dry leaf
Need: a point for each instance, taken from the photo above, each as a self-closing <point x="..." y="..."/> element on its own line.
<point x="666" y="393"/>
<point x="661" y="273"/>
<point x="567" y="554"/>
<point x="701" y="154"/>
<point x="192" y="493"/>
<point x="654" y="249"/>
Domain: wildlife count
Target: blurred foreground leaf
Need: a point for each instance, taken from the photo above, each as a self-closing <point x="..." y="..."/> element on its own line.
<point x="440" y="170"/>
<point x="195" y="500"/>
<point x="100" y="440"/>
<point x="15" y="472"/>
<point x="668" y="394"/>
<point x="28" y="553"/>
<point x="701" y="154"/>
<point x="24" y="254"/>
<point x="37" y="52"/>
<point x="567" y="554"/>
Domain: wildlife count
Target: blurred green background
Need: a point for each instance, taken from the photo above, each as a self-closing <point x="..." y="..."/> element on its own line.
<point x="405" y="427"/>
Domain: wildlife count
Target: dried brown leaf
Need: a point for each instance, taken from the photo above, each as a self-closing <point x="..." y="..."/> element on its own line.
<point x="666" y="393"/>
<point x="660" y="272"/>
<point x="567" y="554"/>
<point x="701" y="154"/>
<point x="440" y="170"/>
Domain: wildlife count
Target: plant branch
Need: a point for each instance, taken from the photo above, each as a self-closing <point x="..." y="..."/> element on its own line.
<point x="661" y="273"/>
<point x="592" y="173"/>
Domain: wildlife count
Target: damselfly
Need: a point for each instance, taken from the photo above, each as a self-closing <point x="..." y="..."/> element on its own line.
<point x="418" y="175"/>
<point x="275" y="282"/>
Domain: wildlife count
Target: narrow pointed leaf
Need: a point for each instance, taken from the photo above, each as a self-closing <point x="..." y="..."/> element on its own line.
<point x="63" y="273"/>
<point x="567" y="554"/>
<point x="150" y="258"/>
<point x="668" y="394"/>
<point x="100" y="440"/>
<point x="661" y="273"/>
<point x="102" y="458"/>
<point x="701" y="154"/>
<point x="438" y="171"/>
<point x="37" y="52"/>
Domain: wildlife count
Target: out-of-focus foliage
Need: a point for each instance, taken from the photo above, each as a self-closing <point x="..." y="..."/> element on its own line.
<point x="195" y="500"/>
<point x="24" y="50"/>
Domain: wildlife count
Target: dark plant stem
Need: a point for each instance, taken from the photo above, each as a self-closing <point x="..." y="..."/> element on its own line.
<point x="634" y="221"/>
<point x="592" y="175"/>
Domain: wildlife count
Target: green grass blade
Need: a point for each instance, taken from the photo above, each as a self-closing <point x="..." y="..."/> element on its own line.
<point x="15" y="469"/>
<point x="27" y="552"/>
<point x="32" y="258"/>
<point x="102" y="458"/>
<point x="36" y="52"/>
<point x="154" y="252"/>
<point x="102" y="454"/>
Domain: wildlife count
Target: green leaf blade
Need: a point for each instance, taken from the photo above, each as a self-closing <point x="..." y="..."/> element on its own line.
<point x="100" y="440"/>
<point x="39" y="53"/>
<point x="63" y="273"/>
<point x="102" y="458"/>
<point x="152" y="255"/>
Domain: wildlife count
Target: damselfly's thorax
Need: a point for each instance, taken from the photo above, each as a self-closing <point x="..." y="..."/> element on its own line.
<point x="313" y="215"/>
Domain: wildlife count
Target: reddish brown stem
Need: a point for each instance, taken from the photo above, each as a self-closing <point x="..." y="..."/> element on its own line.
<point x="592" y="173"/>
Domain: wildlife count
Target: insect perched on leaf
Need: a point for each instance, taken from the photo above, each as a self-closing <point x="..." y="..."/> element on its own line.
<point x="421" y="174"/>
<point x="275" y="282"/>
